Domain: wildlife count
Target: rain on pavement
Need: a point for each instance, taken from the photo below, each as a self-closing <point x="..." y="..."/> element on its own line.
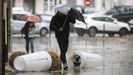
<point x="117" y="53"/>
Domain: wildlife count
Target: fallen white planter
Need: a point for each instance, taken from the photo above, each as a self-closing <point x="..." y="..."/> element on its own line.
<point x="38" y="61"/>
<point x="84" y="60"/>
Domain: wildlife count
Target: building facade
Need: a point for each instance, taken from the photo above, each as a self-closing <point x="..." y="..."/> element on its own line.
<point x="47" y="6"/>
<point x="38" y="6"/>
<point x="111" y="3"/>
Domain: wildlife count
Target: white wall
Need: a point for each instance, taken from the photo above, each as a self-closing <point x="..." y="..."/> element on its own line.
<point x="64" y="1"/>
<point x="18" y="3"/>
<point x="98" y="4"/>
<point x="39" y="6"/>
<point x="123" y="2"/>
<point x="127" y="2"/>
<point x="79" y="2"/>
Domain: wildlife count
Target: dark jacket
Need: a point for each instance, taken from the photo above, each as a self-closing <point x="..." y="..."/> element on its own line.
<point x="58" y="21"/>
<point x="25" y="29"/>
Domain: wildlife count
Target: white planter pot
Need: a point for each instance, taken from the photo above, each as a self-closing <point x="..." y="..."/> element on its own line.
<point x="38" y="61"/>
<point x="87" y="60"/>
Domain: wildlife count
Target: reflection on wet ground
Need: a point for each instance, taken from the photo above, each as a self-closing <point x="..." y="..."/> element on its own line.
<point x="99" y="71"/>
<point x="69" y="72"/>
<point x="117" y="54"/>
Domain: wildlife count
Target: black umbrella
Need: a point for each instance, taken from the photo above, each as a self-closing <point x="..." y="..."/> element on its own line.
<point x="76" y="14"/>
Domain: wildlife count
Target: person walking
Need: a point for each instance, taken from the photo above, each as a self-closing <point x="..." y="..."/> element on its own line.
<point x="60" y="23"/>
<point x="29" y="31"/>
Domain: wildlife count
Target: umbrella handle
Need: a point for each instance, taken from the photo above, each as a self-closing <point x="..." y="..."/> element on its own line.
<point x="65" y="22"/>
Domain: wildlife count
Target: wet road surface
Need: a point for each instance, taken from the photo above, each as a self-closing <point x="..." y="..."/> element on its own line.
<point x="117" y="53"/>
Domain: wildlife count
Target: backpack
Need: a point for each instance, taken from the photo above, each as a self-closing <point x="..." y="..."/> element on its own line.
<point x="23" y="30"/>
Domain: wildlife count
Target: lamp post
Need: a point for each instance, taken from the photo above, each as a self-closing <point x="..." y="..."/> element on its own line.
<point x="1" y="6"/>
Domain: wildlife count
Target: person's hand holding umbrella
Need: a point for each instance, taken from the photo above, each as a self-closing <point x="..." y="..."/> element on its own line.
<point x="61" y="29"/>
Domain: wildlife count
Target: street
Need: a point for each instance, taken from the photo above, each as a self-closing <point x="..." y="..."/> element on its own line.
<point x="117" y="53"/>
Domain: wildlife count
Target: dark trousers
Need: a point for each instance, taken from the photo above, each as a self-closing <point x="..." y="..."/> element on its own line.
<point x="63" y="45"/>
<point x="29" y="42"/>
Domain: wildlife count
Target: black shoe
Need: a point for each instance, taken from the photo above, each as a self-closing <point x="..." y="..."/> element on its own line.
<point x="65" y="66"/>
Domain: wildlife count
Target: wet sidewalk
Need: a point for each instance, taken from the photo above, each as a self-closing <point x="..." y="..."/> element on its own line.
<point x="117" y="54"/>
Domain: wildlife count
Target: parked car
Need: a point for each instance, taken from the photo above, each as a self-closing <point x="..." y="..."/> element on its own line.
<point x="121" y="13"/>
<point x="99" y="24"/>
<point x="131" y="26"/>
<point x="46" y="17"/>
<point x="92" y="10"/>
<point x="16" y="23"/>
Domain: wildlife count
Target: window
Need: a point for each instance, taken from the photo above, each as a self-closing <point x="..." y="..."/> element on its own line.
<point x="46" y="7"/>
<point x="98" y="18"/>
<point x="106" y="19"/>
<point x="92" y="3"/>
<point x="29" y="5"/>
<point x="130" y="9"/>
<point x="17" y="16"/>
